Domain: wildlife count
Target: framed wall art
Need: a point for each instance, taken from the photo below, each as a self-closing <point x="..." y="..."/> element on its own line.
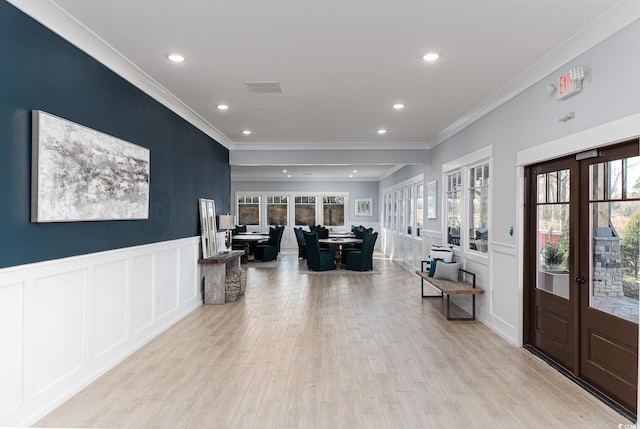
<point x="80" y="174"/>
<point x="364" y="206"/>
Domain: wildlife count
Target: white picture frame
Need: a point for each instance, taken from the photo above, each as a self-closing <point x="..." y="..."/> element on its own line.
<point x="208" y="231"/>
<point x="363" y="206"/>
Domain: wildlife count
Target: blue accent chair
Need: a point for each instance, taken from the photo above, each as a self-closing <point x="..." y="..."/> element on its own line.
<point x="268" y="251"/>
<point x="319" y="259"/>
<point x="302" y="247"/>
<point x="362" y="260"/>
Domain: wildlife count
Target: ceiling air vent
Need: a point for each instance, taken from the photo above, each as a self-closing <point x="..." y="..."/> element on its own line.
<point x="264" y="87"/>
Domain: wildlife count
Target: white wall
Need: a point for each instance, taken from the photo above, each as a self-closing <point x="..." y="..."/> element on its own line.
<point x="64" y="323"/>
<point x="611" y="91"/>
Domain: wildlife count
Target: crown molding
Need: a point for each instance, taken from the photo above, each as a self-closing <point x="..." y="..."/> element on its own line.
<point x="615" y="19"/>
<point x="56" y="19"/>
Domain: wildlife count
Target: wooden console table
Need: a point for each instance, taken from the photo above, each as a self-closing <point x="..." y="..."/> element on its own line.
<point x="215" y="269"/>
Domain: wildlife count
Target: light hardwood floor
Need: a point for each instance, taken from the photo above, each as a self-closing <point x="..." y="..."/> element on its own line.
<point x="331" y="351"/>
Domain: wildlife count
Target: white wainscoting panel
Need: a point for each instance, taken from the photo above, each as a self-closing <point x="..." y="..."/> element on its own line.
<point x="11" y="316"/>
<point x="65" y="322"/>
<point x="167" y="266"/>
<point x="109" y="306"/>
<point x="59" y="326"/>
<point x="407" y="251"/>
<point x="188" y="283"/>
<point x="505" y="291"/>
<point x="142" y="280"/>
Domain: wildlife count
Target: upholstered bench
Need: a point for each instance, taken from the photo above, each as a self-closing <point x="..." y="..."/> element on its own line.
<point x="452" y="287"/>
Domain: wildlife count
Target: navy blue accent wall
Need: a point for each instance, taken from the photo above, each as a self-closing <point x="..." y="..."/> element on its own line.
<point x="41" y="71"/>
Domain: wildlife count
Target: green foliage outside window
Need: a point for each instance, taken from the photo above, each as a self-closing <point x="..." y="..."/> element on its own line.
<point x="630" y="247"/>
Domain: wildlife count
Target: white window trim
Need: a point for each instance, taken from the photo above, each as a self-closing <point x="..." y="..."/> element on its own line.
<point x="464" y="163"/>
<point x="443" y="204"/>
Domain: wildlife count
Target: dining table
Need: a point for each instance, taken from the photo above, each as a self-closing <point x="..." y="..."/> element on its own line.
<point x="248" y="238"/>
<point x="341" y="234"/>
<point x="339" y="242"/>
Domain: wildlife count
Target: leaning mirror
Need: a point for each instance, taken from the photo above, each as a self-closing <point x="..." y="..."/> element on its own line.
<point x="208" y="227"/>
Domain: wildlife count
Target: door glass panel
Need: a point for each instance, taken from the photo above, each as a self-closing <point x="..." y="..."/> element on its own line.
<point x="542" y="188"/>
<point x="633" y="177"/>
<point x="615" y="241"/>
<point x="563" y="186"/>
<point x="596" y="177"/>
<point x="552" y="187"/>
<point x="614" y="169"/>
<point x="553" y="223"/>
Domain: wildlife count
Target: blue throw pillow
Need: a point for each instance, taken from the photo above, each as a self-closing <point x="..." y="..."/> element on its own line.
<point x="432" y="268"/>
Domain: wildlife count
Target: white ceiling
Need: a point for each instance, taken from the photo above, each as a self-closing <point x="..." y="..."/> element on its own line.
<point x="341" y="63"/>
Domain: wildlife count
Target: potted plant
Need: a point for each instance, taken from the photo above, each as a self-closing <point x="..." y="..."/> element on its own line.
<point x="556" y="274"/>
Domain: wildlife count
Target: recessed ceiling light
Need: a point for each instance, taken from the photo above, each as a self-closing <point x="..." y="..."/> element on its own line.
<point x="246" y="132"/>
<point x="288" y="175"/>
<point x="398" y="106"/>
<point x="355" y="171"/>
<point x="431" y="56"/>
<point x="350" y="175"/>
<point x="176" y="58"/>
<point x="381" y="131"/>
<point x="222" y="106"/>
<point x="284" y="171"/>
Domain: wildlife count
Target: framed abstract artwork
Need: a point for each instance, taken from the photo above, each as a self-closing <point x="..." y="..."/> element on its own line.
<point x="80" y="174"/>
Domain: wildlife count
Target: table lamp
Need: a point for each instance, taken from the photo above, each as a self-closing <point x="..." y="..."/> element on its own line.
<point x="227" y="222"/>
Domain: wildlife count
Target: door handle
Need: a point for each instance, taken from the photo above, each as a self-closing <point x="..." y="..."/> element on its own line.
<point x="580" y="279"/>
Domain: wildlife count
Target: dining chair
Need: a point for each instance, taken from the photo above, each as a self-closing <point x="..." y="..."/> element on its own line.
<point x="268" y="250"/>
<point x="362" y="260"/>
<point x="302" y="248"/>
<point x="318" y="259"/>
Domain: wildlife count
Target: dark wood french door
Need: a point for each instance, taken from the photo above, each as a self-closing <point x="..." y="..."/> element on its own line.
<point x="582" y="266"/>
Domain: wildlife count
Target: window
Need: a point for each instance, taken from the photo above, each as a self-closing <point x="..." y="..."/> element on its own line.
<point x="479" y="207"/>
<point x="333" y="211"/>
<point x="305" y="210"/>
<point x="277" y="210"/>
<point x="249" y="210"/>
<point x="394" y="225"/>
<point x="404" y="208"/>
<point x="409" y="211"/>
<point x="389" y="222"/>
<point x="453" y="194"/>
<point x="401" y="208"/>
<point x="419" y="209"/>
